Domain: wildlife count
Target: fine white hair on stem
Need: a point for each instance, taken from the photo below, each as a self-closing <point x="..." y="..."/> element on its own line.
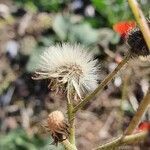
<point x="67" y="65"/>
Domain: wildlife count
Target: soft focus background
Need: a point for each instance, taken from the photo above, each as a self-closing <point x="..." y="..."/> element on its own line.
<point x="27" y="27"/>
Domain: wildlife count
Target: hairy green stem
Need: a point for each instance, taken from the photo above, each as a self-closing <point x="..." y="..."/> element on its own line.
<point x="71" y="119"/>
<point x="68" y="145"/>
<point x="71" y="116"/>
<point x="123" y="98"/>
<point x="103" y="83"/>
<point x="141" y="20"/>
<point x="130" y="139"/>
<point x="140" y="112"/>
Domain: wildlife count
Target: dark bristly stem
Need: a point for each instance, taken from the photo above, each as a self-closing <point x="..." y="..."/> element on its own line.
<point x="103" y="83"/>
<point x="140" y="112"/>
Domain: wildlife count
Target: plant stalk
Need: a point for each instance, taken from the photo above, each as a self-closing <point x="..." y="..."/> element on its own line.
<point x="71" y="116"/>
<point x="130" y="139"/>
<point x="140" y="112"/>
<point x="140" y="20"/>
<point x="103" y="83"/>
<point x="68" y="145"/>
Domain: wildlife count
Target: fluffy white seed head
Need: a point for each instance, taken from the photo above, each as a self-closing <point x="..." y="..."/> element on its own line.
<point x="69" y="65"/>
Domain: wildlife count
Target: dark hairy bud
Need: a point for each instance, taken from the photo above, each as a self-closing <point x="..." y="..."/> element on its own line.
<point x="136" y="42"/>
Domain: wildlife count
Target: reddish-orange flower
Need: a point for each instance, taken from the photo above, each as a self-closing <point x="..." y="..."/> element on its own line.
<point x="144" y="126"/>
<point x="124" y="27"/>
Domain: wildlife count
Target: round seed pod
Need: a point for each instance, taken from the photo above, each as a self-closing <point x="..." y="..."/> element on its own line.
<point x="57" y="126"/>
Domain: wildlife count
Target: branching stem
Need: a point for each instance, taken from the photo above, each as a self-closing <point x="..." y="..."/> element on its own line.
<point x="140" y="111"/>
<point x="130" y="139"/>
<point x="68" y="145"/>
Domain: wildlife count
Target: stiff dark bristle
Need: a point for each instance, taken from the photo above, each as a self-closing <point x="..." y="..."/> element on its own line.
<point x="136" y="42"/>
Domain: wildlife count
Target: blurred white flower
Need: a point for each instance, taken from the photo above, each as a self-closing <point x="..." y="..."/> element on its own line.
<point x="69" y="65"/>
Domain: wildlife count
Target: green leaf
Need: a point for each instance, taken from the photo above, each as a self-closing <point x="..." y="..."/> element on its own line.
<point x="19" y="140"/>
<point x="61" y="26"/>
<point x="30" y="6"/>
<point x="127" y="107"/>
<point x="111" y="9"/>
<point x="34" y="59"/>
<point x="83" y="33"/>
<point x="106" y="36"/>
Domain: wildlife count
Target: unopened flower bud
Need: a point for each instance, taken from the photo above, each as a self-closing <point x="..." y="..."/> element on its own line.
<point x="136" y="42"/>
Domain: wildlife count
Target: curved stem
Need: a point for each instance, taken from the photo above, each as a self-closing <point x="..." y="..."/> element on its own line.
<point x="103" y="83"/>
<point x="130" y="139"/>
<point x="140" y="112"/>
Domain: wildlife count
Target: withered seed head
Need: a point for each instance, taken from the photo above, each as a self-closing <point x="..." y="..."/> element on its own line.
<point x="68" y="66"/>
<point x="55" y="119"/>
<point x="57" y="126"/>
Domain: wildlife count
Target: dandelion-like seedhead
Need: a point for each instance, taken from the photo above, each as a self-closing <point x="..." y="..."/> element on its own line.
<point x="69" y="65"/>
